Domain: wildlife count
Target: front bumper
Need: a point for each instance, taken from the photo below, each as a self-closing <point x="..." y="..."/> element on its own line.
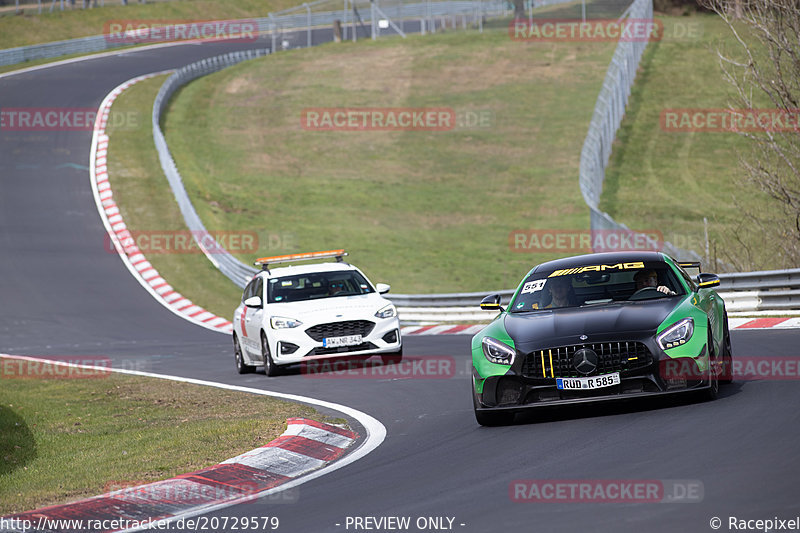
<point x="518" y="390"/>
<point x="383" y="338"/>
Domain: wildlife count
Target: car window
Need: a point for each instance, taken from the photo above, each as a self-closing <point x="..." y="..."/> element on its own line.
<point x="688" y="278"/>
<point x="317" y="285"/>
<point x="258" y="289"/>
<point x="596" y="285"/>
<point x="248" y="290"/>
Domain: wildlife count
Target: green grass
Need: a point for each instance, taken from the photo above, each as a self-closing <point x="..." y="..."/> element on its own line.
<point x="670" y="180"/>
<point x="147" y="204"/>
<point x="32" y="28"/>
<point x="425" y="211"/>
<point x="64" y="439"/>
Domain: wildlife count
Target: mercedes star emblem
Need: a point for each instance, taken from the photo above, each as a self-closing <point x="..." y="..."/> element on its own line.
<point x="585" y="361"/>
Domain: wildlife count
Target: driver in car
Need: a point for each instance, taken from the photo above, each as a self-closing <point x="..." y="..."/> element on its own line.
<point x="649" y="278"/>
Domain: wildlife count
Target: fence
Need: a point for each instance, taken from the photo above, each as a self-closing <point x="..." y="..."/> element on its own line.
<point x="431" y="15"/>
<point x="607" y="117"/>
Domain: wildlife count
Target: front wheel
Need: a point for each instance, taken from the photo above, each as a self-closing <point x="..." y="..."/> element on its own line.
<point x="727" y="355"/>
<point x="270" y="368"/>
<point x="713" y="370"/>
<point x="238" y="357"/>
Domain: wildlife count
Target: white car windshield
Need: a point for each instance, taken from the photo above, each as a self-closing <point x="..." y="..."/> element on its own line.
<point x="317" y="285"/>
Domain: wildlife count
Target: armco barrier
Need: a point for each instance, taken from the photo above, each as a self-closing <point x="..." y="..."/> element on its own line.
<point x="744" y="292"/>
<point x="234" y="269"/>
<point x="280" y="22"/>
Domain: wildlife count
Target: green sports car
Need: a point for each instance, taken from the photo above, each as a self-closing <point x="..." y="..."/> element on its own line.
<point x="601" y="327"/>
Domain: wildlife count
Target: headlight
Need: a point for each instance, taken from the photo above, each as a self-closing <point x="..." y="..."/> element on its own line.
<point x="498" y="352"/>
<point x="677" y="334"/>
<point x="280" y="322"/>
<point x="387" y="312"/>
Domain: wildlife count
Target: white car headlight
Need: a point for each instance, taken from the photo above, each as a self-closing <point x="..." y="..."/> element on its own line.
<point x="498" y="352"/>
<point x="281" y="322"/>
<point x="677" y="334"/>
<point x="387" y="312"/>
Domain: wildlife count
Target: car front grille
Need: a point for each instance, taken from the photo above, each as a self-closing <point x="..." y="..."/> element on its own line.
<point x="342" y="349"/>
<point x="558" y="362"/>
<point x="340" y="329"/>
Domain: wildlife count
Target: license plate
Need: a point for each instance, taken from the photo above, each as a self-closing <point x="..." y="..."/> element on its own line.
<point x="347" y="340"/>
<point x="595" y="382"/>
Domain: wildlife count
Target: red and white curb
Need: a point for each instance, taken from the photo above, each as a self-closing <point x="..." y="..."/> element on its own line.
<point x="122" y="239"/>
<point x="305" y="451"/>
<point x="306" y="445"/>
<point x="733" y="323"/>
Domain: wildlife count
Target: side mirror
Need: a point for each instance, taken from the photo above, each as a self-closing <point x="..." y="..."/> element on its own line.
<point x="491" y="303"/>
<point x="382" y="288"/>
<point x="706" y="280"/>
<point x="253" y="301"/>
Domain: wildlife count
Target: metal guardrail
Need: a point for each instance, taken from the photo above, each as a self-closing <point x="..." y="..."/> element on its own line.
<point x="749" y="291"/>
<point x="235" y="270"/>
<point x="770" y="290"/>
<point x="276" y="24"/>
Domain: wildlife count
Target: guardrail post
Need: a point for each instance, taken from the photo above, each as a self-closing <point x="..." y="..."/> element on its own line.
<point x="308" y="25"/>
<point x="274" y="27"/>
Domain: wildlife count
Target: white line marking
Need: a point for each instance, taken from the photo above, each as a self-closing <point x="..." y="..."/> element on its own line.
<point x="376" y="432"/>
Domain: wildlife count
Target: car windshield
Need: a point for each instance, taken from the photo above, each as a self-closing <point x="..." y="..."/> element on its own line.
<point x="317" y="285"/>
<point x="596" y="285"/>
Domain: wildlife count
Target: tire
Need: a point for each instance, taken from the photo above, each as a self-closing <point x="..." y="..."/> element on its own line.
<point x="490" y="419"/>
<point x="270" y="368"/>
<point x="727" y="355"/>
<point x="392" y="358"/>
<point x="238" y="357"/>
<point x="712" y="392"/>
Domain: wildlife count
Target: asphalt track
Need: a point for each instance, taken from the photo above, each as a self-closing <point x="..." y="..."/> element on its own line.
<point x="64" y="294"/>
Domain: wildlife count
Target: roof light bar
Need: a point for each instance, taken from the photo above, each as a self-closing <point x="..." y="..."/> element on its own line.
<point x="265" y="261"/>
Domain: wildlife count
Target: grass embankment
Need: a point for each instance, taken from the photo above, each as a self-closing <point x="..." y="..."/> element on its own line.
<point x="63" y="439"/>
<point x="425" y="211"/>
<point x="670" y="180"/>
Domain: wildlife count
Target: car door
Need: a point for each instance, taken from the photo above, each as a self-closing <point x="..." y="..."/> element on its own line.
<point x="253" y="319"/>
<point x="241" y="319"/>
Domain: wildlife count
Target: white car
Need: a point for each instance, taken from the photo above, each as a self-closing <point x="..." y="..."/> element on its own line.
<point x="300" y="313"/>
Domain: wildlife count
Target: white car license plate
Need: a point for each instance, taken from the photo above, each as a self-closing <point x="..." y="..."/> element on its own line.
<point x="347" y="340"/>
<point x="595" y="382"/>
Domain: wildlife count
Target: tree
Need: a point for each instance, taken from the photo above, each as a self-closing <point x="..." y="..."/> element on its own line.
<point x="764" y="71"/>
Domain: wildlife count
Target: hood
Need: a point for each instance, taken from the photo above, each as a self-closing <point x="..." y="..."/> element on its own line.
<point x="560" y="327"/>
<point x="326" y="308"/>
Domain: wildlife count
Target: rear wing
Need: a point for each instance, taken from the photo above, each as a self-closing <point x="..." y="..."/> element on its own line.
<point x="264" y="262"/>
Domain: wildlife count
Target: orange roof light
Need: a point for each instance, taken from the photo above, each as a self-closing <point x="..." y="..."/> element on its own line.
<point x="264" y="261"/>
